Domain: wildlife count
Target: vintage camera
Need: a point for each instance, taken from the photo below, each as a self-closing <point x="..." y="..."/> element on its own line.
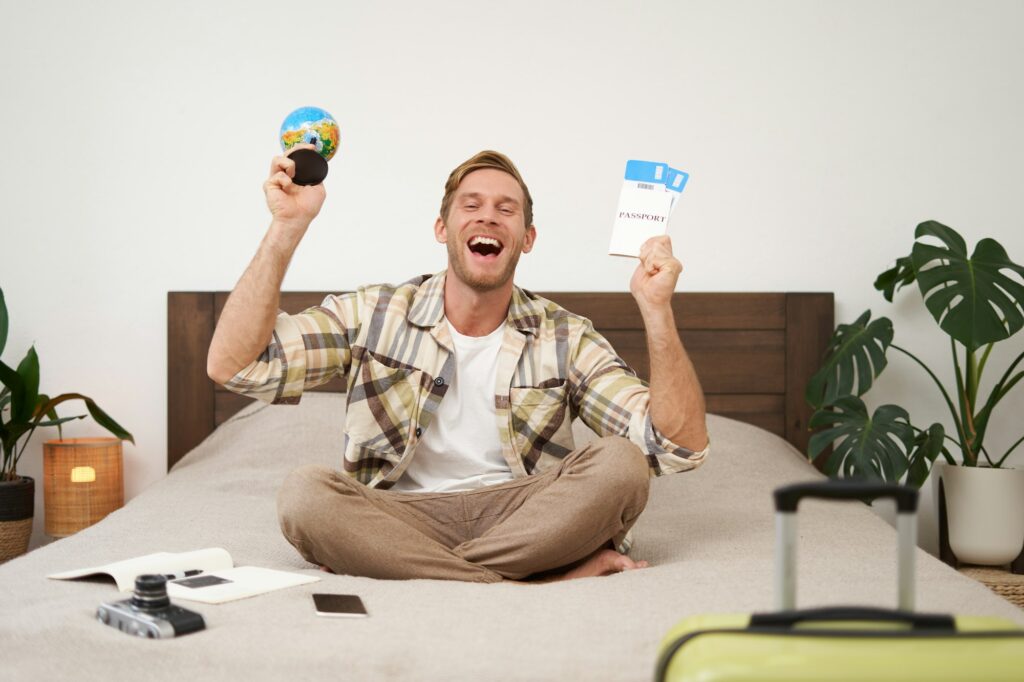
<point x="149" y="613"/>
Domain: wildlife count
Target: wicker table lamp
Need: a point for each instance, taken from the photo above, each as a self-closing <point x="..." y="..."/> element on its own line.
<point x="82" y="482"/>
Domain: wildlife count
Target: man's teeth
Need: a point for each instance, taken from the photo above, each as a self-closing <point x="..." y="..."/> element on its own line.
<point x="484" y="240"/>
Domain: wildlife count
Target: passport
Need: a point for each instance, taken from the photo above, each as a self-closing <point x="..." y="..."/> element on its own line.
<point x="650" y="191"/>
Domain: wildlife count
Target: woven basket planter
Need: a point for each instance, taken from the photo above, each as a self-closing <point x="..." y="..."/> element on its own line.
<point x="17" y="505"/>
<point x="1007" y="585"/>
<point x="82" y="482"/>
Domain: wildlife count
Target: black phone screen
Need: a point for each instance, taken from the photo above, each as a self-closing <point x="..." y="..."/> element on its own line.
<point x="339" y="605"/>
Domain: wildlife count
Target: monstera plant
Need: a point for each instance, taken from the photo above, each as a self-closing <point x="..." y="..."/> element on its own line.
<point x="976" y="300"/>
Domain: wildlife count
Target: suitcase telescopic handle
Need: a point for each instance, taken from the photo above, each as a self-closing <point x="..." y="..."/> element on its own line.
<point x="788" y="498"/>
<point x="918" y="621"/>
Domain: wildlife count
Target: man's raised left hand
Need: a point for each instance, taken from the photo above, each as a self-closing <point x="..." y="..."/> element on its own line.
<point x="654" y="280"/>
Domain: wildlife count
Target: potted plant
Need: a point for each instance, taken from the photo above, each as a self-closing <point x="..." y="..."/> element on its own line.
<point x="977" y="300"/>
<point x="22" y="410"/>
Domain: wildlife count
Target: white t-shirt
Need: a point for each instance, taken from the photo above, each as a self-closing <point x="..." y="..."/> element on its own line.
<point x="461" y="449"/>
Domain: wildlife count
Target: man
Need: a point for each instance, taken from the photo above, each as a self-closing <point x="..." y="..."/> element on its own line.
<point x="459" y="459"/>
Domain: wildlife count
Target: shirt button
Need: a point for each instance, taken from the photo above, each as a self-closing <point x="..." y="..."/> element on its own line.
<point x="439" y="381"/>
<point x="419" y="431"/>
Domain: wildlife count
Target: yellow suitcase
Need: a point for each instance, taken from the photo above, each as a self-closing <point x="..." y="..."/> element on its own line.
<point x="842" y="643"/>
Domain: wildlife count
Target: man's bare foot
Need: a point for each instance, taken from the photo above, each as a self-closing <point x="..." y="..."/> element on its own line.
<point x="601" y="562"/>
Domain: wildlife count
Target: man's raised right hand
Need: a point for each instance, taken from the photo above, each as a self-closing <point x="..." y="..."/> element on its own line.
<point x="292" y="206"/>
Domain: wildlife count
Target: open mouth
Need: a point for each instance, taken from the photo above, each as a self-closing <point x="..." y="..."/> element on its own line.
<point x="485" y="247"/>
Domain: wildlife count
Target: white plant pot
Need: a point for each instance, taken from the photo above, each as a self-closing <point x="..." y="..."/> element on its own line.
<point x="985" y="513"/>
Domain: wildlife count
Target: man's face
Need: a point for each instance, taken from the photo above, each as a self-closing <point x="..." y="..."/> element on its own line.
<point x="485" y="229"/>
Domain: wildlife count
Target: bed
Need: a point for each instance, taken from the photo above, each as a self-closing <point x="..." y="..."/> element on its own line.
<point x="708" y="534"/>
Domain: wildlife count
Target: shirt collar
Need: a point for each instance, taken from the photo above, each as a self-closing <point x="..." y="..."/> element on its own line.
<point x="427" y="310"/>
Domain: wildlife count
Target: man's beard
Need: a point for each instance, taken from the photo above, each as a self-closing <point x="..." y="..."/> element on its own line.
<point x="457" y="257"/>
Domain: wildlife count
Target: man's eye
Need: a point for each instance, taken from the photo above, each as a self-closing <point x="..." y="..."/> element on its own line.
<point x="506" y="210"/>
<point x="469" y="206"/>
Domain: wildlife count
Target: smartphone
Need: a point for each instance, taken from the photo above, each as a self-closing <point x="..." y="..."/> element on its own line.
<point x="340" y="605"/>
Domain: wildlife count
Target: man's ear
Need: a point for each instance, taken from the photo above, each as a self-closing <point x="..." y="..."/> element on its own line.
<point x="440" y="231"/>
<point x="531" y="236"/>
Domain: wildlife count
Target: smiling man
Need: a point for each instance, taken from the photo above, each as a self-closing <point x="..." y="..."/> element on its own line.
<point x="459" y="459"/>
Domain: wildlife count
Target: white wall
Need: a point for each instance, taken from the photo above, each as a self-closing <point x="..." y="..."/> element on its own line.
<point x="818" y="135"/>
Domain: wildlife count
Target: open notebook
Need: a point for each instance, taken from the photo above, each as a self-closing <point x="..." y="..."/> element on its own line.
<point x="204" y="575"/>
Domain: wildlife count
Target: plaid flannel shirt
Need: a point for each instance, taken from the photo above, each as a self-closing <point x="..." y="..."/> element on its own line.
<point x="397" y="355"/>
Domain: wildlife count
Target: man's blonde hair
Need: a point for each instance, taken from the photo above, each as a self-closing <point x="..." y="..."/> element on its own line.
<point x="485" y="159"/>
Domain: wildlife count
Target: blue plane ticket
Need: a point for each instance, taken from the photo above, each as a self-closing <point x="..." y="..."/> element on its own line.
<point x="650" y="191"/>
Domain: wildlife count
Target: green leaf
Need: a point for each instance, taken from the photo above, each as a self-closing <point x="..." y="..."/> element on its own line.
<point x="107" y="422"/>
<point x="3" y="322"/>
<point x="875" y="447"/>
<point x="927" y="447"/>
<point x="14" y="382"/>
<point x="14" y="432"/>
<point x="999" y="391"/>
<point x="1010" y="384"/>
<point x="41" y="400"/>
<point x="971" y="298"/>
<point x="101" y="417"/>
<point x="895" y="278"/>
<point x="44" y="400"/>
<point x="28" y="370"/>
<point x="52" y="414"/>
<point x="61" y="420"/>
<point x="854" y="359"/>
<point x="55" y="420"/>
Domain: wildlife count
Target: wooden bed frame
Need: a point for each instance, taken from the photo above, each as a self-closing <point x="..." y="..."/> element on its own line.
<point x="754" y="353"/>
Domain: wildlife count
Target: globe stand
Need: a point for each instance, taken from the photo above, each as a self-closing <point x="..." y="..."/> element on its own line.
<point x="310" y="167"/>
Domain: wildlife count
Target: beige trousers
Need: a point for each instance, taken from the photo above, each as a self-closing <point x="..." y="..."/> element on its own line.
<point x="507" y="531"/>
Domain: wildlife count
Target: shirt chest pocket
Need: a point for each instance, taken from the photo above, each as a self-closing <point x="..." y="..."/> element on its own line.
<point x="542" y="424"/>
<point x="382" y="406"/>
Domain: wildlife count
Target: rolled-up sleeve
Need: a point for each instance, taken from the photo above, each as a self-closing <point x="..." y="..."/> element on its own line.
<point x="613" y="401"/>
<point x="306" y="350"/>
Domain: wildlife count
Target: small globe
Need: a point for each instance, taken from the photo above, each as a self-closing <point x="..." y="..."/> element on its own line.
<point x="311" y="125"/>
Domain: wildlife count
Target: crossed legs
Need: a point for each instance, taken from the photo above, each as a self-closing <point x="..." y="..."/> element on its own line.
<point x="527" y="526"/>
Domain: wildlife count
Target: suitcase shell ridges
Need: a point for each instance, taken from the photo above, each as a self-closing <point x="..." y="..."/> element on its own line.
<point x="727" y="652"/>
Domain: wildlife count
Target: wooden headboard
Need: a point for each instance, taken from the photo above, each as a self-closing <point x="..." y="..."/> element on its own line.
<point x="754" y="353"/>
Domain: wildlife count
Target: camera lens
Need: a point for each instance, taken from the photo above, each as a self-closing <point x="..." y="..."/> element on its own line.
<point x="150" y="593"/>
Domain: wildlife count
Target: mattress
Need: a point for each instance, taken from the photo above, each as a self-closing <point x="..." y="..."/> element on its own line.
<point x="708" y="535"/>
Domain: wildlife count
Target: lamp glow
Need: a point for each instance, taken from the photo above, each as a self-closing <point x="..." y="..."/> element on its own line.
<point x="83" y="475"/>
